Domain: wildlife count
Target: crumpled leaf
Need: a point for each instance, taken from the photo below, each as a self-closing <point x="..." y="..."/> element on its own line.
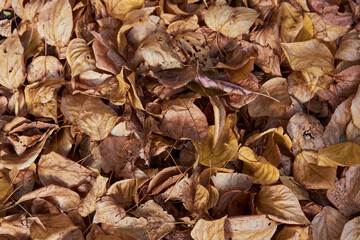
<point x="232" y="22"/>
<point x="297" y="189"/>
<point x="290" y="22"/>
<point x="55" y="22"/>
<point x="79" y="56"/>
<point x="224" y="182"/>
<point x="257" y="227"/>
<point x="352" y="184"/>
<point x="351" y="229"/>
<point x="107" y="211"/>
<point x="224" y="151"/>
<point x="328" y="224"/>
<point x="12" y="69"/>
<point x="152" y="222"/>
<point x="165" y="179"/>
<point x="341" y="154"/>
<point x="44" y="66"/>
<point x="281" y="203"/>
<point x="119" y="8"/>
<point x="209" y="230"/>
<point x="348" y="49"/>
<point x="312" y="53"/>
<point x="123" y="192"/>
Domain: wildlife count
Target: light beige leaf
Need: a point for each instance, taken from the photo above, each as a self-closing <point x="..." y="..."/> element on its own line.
<point x="338" y="122"/>
<point x="97" y="190"/>
<point x="297" y="189"/>
<point x="96" y="119"/>
<point x="55" y="22"/>
<point x="224" y="182"/>
<point x="298" y="88"/>
<point x="54" y="168"/>
<point x="219" y="117"/>
<point x="12" y="67"/>
<point x="71" y="105"/>
<point x="281" y="203"/>
<point x="79" y="56"/>
<point x="107" y="211"/>
<point x="257" y="227"/>
<point x="152" y="222"/>
<point x="293" y="233"/>
<point x="276" y="88"/>
<point x="257" y="167"/>
<point x="123" y="192"/>
<point x="352" y="133"/>
<point x="328" y="224"/>
<point x="349" y="47"/>
<point x="342" y="154"/>
<point x="119" y="8"/>
<point x="53" y="226"/>
<point x="44" y="66"/>
<point x="312" y="53"/>
<point x="209" y="230"/>
<point x="351" y="230"/>
<point x="355" y="109"/>
<point x="28" y="10"/>
<point x="307" y="173"/>
<point x="353" y="184"/>
<point x="41" y="98"/>
<point x="64" y="198"/>
<point x="232" y="22"/>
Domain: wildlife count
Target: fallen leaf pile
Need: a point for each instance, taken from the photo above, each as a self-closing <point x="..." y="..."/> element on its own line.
<point x="179" y="119"/>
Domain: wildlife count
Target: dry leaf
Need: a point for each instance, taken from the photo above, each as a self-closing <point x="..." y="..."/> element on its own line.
<point x="352" y="184"/>
<point x="79" y="56"/>
<point x="297" y="189"/>
<point x="224" y="182"/>
<point x="209" y="230"/>
<point x="355" y="109"/>
<point x="341" y="154"/>
<point x="351" y="230"/>
<point x="123" y="192"/>
<point x="281" y="203"/>
<point x="119" y="8"/>
<point x="44" y="66"/>
<point x="107" y="211"/>
<point x="233" y="21"/>
<point x="293" y="233"/>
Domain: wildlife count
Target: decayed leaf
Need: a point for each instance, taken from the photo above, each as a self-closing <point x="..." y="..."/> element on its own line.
<point x="80" y="57"/>
<point x="232" y="22"/>
<point x="293" y="233"/>
<point x="64" y="198"/>
<point x="15" y="227"/>
<point x="152" y="222"/>
<point x="119" y="8"/>
<point x="53" y="226"/>
<point x="338" y="122"/>
<point x="209" y="230"/>
<point x="257" y="227"/>
<point x="55" y="22"/>
<point x="307" y="172"/>
<point x="312" y="53"/>
<point x="257" y="167"/>
<point x="183" y="119"/>
<point x="224" y="182"/>
<point x="71" y="105"/>
<point x="234" y="203"/>
<point x="276" y="88"/>
<point x="12" y="69"/>
<point x="123" y="192"/>
<point x="96" y="119"/>
<point x="98" y="189"/>
<point x="44" y="66"/>
<point x="351" y="230"/>
<point x="281" y="203"/>
<point x="41" y="98"/>
<point x="54" y="168"/>
<point x="224" y="151"/>
<point x="341" y="154"/>
<point x="328" y="224"/>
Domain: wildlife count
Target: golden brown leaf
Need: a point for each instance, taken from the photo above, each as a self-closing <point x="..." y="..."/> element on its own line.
<point x="341" y="154"/>
<point x="79" y="56"/>
<point x="44" y="66"/>
<point x="293" y="233"/>
<point x="209" y="230"/>
<point x="119" y="8"/>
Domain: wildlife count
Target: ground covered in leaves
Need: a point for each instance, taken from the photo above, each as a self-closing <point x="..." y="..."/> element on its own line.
<point x="179" y="119"/>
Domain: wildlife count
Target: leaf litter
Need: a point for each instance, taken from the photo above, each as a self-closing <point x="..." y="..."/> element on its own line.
<point x="137" y="119"/>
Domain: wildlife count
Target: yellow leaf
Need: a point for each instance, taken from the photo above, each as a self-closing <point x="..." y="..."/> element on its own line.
<point x="281" y="203"/>
<point x="119" y="8"/>
<point x="351" y="230"/>
<point x="224" y="151"/>
<point x="307" y="173"/>
<point x="257" y="227"/>
<point x="278" y="134"/>
<point x="79" y="56"/>
<point x="342" y="154"/>
<point x="312" y="53"/>
<point x="55" y="22"/>
<point x="12" y="67"/>
<point x="118" y="96"/>
<point x="307" y="31"/>
<point x="232" y="22"/>
<point x="290" y="22"/>
<point x="209" y="230"/>
<point x="257" y="167"/>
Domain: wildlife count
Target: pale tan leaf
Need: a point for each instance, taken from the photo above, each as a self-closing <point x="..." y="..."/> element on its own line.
<point x="64" y="198"/>
<point x="232" y="22"/>
<point x="219" y="117"/>
<point x="352" y="133"/>
<point x="348" y="49"/>
<point x="224" y="182"/>
<point x="28" y="10"/>
<point x="119" y="8"/>
<point x="12" y="69"/>
<point x="55" y="22"/>
<point x="342" y="154"/>
<point x="97" y="190"/>
<point x="96" y="119"/>
<point x="209" y="230"/>
<point x="44" y="66"/>
<point x="281" y="203"/>
<point x="123" y="192"/>
<point x="257" y="227"/>
<point x="312" y="53"/>
<point x="79" y="56"/>
<point x="328" y="224"/>
<point x="307" y="173"/>
<point x="351" y="230"/>
<point x="71" y="105"/>
<point x="107" y="211"/>
<point x="353" y="184"/>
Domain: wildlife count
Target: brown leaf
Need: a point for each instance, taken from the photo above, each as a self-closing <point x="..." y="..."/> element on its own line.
<point x="44" y="66"/>
<point x="165" y="178"/>
<point x="107" y="211"/>
<point x="293" y="233"/>
<point x="351" y="229"/>
<point x="79" y="56"/>
<point x="119" y="8"/>
<point x="352" y="184"/>
<point x="123" y="192"/>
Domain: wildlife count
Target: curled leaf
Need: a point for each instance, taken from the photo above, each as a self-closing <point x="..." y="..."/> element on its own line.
<point x="80" y="57"/>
